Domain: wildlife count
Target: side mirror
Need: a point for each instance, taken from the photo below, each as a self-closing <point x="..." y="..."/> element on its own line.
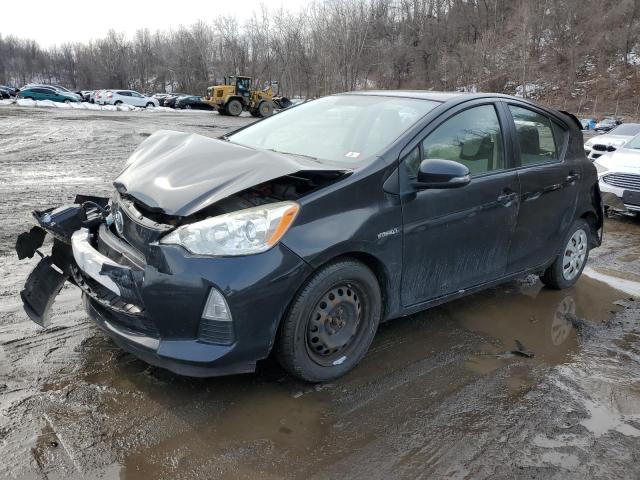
<point x="436" y="173"/>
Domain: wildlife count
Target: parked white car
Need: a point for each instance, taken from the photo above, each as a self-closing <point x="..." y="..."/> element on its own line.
<point x="619" y="178"/>
<point x="130" y="97"/>
<point x="599" y="145"/>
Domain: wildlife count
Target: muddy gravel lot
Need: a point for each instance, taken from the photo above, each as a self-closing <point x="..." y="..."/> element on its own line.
<point x="440" y="395"/>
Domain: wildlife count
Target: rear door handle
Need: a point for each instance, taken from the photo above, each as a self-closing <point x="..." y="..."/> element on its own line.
<point x="507" y="198"/>
<point x="572" y="177"/>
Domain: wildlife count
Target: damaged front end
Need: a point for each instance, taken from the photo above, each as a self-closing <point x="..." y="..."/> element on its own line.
<point x="48" y="277"/>
<point x="151" y="263"/>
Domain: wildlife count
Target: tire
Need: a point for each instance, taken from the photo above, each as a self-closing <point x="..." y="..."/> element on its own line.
<point x="254" y="112"/>
<point x="265" y="109"/>
<point x="150" y="104"/>
<point x="118" y="102"/>
<point x="234" y="108"/>
<point x="30" y="98"/>
<point x="188" y="107"/>
<point x="331" y="322"/>
<point x="568" y="265"/>
<point x="67" y="101"/>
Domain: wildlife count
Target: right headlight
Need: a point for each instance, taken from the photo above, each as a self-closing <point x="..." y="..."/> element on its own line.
<point x="244" y="232"/>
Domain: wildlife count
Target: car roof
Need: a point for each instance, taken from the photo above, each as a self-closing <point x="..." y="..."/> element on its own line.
<point x="419" y="94"/>
<point x="459" y="97"/>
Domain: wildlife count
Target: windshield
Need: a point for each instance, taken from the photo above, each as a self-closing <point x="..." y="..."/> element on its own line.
<point x="339" y="128"/>
<point x="633" y="143"/>
<point x="626" y="129"/>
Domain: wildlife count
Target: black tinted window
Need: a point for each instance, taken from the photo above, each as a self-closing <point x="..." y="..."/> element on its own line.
<point x="472" y="137"/>
<point x="535" y="136"/>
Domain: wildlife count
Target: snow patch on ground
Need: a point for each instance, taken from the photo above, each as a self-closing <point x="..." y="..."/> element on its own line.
<point x="26" y="102"/>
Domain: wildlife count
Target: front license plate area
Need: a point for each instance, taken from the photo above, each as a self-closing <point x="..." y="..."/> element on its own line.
<point x="42" y="286"/>
<point x="631" y="197"/>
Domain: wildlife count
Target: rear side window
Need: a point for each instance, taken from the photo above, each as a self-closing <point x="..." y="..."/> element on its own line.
<point x="472" y="137"/>
<point x="535" y="136"/>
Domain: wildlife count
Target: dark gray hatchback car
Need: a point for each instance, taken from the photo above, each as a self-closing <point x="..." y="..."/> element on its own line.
<point x="300" y="233"/>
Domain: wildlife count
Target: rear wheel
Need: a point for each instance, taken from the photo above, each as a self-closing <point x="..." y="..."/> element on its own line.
<point x="118" y="102"/>
<point x="331" y="322"/>
<point x="254" y="112"/>
<point x="567" y="267"/>
<point x="234" y="107"/>
<point x="265" y="109"/>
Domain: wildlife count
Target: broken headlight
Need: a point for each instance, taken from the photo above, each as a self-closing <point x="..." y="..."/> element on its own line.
<point x="244" y="232"/>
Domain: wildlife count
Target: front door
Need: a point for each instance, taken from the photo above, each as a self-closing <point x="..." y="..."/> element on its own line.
<point x="458" y="238"/>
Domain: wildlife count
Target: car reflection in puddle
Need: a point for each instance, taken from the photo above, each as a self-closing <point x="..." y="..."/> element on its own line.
<point x="546" y="323"/>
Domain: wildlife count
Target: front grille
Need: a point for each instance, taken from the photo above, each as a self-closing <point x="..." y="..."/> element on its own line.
<point x="628" y="181"/>
<point x="215" y="331"/>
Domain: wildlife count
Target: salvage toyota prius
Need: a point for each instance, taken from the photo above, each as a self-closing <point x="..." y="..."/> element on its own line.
<point x="300" y="233"/>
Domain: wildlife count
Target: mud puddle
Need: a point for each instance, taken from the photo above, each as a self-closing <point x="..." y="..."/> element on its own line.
<point x="535" y="323"/>
<point x="147" y="422"/>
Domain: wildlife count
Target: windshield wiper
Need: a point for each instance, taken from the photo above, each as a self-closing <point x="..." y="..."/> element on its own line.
<point x="294" y="154"/>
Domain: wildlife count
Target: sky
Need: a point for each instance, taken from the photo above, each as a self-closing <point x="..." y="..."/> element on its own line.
<point x="54" y="23"/>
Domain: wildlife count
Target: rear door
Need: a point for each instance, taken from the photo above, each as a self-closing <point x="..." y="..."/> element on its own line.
<point x="549" y="184"/>
<point x="460" y="237"/>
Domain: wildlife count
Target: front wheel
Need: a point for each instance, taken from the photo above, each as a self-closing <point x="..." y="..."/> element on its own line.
<point x="331" y="322"/>
<point x="118" y="102"/>
<point x="569" y="264"/>
<point x="234" y="108"/>
<point x="150" y="104"/>
<point x="265" y="109"/>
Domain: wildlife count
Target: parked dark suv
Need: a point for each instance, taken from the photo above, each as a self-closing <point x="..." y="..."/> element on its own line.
<point x="301" y="232"/>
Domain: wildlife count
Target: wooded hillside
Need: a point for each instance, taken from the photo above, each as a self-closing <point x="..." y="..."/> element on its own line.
<point x="582" y="55"/>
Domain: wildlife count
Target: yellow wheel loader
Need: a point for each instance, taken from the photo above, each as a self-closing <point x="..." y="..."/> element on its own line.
<point x="236" y="96"/>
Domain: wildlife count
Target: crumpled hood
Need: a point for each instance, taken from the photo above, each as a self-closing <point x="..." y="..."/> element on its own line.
<point x="182" y="173"/>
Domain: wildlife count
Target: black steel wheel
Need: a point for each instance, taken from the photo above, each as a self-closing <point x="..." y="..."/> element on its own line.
<point x="331" y="322"/>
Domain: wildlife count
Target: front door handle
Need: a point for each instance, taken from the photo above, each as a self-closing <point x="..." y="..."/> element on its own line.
<point x="507" y="199"/>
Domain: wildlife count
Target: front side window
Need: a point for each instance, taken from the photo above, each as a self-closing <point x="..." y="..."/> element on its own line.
<point x="472" y="137"/>
<point x="535" y="136"/>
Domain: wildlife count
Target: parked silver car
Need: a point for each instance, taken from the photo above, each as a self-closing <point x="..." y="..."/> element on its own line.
<point x="609" y="142"/>
<point x="619" y="178"/>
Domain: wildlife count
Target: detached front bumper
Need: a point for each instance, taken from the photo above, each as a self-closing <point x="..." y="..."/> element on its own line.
<point x="154" y="309"/>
